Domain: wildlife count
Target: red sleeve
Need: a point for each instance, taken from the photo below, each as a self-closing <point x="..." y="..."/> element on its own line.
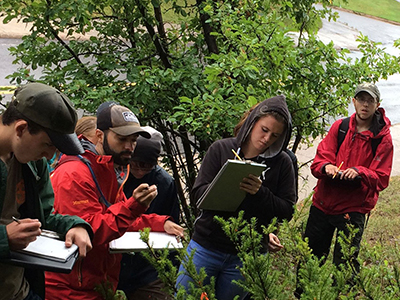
<point x="153" y="221"/>
<point x="377" y="174"/>
<point x="76" y="194"/>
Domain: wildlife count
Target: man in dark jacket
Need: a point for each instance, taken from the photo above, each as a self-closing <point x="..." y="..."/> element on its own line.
<point x="37" y="121"/>
<point x="350" y="176"/>
<point x="138" y="279"/>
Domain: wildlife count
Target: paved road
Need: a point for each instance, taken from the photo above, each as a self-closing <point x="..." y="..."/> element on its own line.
<point x="344" y="33"/>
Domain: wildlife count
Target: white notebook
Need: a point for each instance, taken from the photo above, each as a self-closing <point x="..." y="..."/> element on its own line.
<point x="50" y="248"/>
<point x="131" y="242"/>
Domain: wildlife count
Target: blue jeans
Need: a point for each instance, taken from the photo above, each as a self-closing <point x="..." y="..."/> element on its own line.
<point x="221" y="265"/>
<point x="32" y="296"/>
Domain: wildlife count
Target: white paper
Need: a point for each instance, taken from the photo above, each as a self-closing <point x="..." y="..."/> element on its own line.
<point x="50" y="248"/>
<point x="131" y="242"/>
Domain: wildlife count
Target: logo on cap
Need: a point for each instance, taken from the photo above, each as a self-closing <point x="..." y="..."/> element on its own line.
<point x="129" y="117"/>
<point x="120" y="120"/>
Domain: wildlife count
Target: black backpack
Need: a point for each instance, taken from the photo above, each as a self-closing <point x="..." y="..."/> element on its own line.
<point x="344" y="127"/>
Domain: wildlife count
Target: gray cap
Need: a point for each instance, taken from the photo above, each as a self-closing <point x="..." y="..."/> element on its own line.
<point x="120" y="120"/>
<point x="52" y="110"/>
<point x="369" y="88"/>
<point x="148" y="150"/>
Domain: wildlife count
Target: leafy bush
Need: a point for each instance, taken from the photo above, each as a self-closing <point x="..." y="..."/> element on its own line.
<point x="193" y="79"/>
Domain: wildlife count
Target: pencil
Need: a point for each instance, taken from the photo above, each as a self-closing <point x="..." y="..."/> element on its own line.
<point x="337" y="171"/>
<point x="16" y="220"/>
<point x="234" y="152"/>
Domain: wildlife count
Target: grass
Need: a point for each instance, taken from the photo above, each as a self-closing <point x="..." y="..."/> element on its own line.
<point x="171" y="16"/>
<point x="386" y="9"/>
<point x="383" y="225"/>
<point x="382" y="230"/>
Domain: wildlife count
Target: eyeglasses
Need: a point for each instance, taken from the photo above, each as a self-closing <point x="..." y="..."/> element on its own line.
<point x="139" y="165"/>
<point x="366" y="100"/>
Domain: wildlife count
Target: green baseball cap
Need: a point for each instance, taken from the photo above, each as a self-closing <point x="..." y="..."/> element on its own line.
<point x="369" y="88"/>
<point x="51" y="109"/>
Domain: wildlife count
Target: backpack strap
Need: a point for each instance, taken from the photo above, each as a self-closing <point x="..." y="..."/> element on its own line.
<point x="102" y="197"/>
<point x="87" y="163"/>
<point x="374" y="145"/>
<point x="344" y="127"/>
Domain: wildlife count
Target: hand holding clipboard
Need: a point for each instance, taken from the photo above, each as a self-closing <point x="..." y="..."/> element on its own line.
<point x="224" y="192"/>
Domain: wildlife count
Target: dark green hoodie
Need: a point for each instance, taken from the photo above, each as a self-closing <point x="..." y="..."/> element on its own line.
<point x="38" y="205"/>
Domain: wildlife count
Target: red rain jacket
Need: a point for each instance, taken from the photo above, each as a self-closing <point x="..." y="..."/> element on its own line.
<point x="76" y="194"/>
<point x="333" y="197"/>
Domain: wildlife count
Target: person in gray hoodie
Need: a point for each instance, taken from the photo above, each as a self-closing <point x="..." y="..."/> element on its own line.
<point x="262" y="138"/>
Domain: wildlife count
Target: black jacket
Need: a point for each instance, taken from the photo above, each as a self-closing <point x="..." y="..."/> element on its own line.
<point x="277" y="195"/>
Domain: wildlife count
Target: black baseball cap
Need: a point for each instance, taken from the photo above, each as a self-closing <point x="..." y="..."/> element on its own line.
<point x="52" y="110"/>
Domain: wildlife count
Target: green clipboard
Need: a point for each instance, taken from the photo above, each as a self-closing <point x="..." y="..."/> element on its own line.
<point x="224" y="194"/>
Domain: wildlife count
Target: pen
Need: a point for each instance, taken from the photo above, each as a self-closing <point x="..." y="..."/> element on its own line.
<point x="337" y="171"/>
<point x="180" y="239"/>
<point x="237" y="155"/>
<point x="16" y="220"/>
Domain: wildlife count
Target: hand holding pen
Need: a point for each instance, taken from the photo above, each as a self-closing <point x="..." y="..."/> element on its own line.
<point x="331" y="170"/>
<point x="21" y="232"/>
<point x="337" y="171"/>
<point x="250" y="184"/>
<point x="348" y="174"/>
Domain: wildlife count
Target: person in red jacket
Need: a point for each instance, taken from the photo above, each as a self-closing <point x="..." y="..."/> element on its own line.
<point x="103" y="205"/>
<point x="344" y="197"/>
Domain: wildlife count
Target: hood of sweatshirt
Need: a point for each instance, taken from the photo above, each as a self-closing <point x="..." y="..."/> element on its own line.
<point x="87" y="145"/>
<point x="274" y="104"/>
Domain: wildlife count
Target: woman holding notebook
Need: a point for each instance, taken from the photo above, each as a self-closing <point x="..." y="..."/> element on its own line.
<point x="262" y="137"/>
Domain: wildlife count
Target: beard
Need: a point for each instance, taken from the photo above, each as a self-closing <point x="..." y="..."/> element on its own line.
<point x="117" y="157"/>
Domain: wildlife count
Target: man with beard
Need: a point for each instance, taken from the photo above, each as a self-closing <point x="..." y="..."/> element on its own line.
<point x="87" y="186"/>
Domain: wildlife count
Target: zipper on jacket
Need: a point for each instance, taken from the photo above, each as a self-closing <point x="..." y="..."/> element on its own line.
<point x="80" y="273"/>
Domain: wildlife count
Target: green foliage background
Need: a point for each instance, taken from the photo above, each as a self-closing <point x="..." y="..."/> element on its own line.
<point x="190" y="69"/>
<point x="193" y="78"/>
<point x="273" y="275"/>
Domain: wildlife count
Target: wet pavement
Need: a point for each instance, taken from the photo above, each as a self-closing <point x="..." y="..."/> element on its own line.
<point x="344" y="33"/>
